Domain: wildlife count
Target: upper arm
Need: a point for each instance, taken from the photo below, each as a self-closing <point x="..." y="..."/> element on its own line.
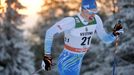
<point x="99" y="27"/>
<point x="105" y="37"/>
<point x="61" y="26"/>
<point x="64" y="24"/>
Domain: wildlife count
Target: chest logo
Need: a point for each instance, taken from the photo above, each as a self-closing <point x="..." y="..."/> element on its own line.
<point x="86" y="29"/>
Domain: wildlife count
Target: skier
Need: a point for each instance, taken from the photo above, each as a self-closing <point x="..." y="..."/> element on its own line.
<point x="78" y="31"/>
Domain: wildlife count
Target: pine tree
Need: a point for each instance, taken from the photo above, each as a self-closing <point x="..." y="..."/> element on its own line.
<point x="15" y="55"/>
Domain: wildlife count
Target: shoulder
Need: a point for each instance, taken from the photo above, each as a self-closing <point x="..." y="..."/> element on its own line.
<point x="67" y="20"/>
<point x="66" y="23"/>
<point x="98" y="18"/>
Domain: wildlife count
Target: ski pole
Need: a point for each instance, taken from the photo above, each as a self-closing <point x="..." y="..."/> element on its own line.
<point x="37" y="71"/>
<point x="115" y="60"/>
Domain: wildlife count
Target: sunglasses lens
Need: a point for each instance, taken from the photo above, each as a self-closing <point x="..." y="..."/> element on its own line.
<point x="92" y="12"/>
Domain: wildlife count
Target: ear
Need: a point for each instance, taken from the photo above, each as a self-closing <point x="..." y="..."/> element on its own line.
<point x="83" y="11"/>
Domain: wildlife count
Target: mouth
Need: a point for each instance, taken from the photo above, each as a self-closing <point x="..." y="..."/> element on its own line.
<point x="90" y="17"/>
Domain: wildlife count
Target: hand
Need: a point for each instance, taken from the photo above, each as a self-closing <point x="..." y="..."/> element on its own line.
<point x="43" y="65"/>
<point x="46" y="63"/>
<point x="117" y="29"/>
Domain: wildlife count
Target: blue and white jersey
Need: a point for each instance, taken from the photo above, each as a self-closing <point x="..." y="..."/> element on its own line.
<point x="77" y="37"/>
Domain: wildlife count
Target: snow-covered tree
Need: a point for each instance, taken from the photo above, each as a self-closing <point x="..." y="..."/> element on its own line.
<point x="16" y="57"/>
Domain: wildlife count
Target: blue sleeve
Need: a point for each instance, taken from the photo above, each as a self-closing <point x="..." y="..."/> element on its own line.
<point x="105" y="37"/>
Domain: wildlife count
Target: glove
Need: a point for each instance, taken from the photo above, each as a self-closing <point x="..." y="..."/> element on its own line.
<point x="46" y="63"/>
<point x="118" y="29"/>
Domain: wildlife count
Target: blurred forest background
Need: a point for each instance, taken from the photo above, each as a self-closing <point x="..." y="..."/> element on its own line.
<point x="22" y="36"/>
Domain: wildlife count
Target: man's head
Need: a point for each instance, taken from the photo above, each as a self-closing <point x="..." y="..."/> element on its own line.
<point x="89" y="8"/>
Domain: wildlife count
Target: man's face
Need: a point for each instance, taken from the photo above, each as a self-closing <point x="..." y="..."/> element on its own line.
<point x="89" y="13"/>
